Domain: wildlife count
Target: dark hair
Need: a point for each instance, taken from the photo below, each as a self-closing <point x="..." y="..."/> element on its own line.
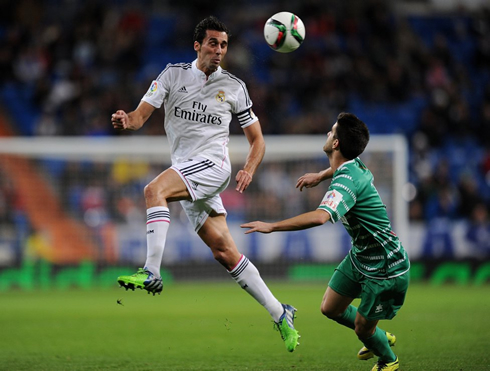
<point x="209" y="23"/>
<point x="353" y="135"/>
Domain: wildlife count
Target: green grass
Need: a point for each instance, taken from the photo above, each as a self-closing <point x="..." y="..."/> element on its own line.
<point x="217" y="326"/>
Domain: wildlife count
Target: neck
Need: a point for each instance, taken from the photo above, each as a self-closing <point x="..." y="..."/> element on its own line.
<point x="207" y="72"/>
<point x="336" y="160"/>
<point x="204" y="69"/>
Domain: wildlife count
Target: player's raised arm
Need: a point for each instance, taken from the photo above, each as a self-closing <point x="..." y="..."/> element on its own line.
<point x="254" y="157"/>
<point x="133" y="120"/>
<point x="310" y="180"/>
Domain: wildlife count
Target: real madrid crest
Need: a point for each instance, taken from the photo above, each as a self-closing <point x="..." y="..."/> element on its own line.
<point x="220" y="97"/>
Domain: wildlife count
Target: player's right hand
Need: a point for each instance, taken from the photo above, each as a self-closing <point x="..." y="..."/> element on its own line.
<point x="120" y="120"/>
<point x="308" y="180"/>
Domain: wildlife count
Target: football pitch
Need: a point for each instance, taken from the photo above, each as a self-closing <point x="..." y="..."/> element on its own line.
<point x="218" y="326"/>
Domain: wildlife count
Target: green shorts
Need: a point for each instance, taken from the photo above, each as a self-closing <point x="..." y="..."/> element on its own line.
<point x="380" y="299"/>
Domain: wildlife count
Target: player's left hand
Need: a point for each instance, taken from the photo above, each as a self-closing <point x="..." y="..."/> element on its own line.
<point x="257" y="227"/>
<point x="243" y="179"/>
<point x="308" y="180"/>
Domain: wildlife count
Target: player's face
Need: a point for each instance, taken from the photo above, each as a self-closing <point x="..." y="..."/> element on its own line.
<point x="211" y="51"/>
<point x="331" y="140"/>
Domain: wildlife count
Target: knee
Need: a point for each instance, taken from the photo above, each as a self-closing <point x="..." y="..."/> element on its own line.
<point x="152" y="192"/>
<point x="329" y="312"/>
<point x="149" y="191"/>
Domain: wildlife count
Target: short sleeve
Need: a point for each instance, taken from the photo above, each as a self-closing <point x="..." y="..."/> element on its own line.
<point x="243" y="106"/>
<point x="247" y="118"/>
<point x="243" y="101"/>
<point x="340" y="197"/>
<point x="155" y="94"/>
<point x="159" y="88"/>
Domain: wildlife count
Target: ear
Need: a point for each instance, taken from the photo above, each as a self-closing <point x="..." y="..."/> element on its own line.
<point x="335" y="144"/>
<point x="197" y="46"/>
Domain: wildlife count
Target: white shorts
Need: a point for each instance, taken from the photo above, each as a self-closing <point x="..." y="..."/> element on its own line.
<point x="205" y="181"/>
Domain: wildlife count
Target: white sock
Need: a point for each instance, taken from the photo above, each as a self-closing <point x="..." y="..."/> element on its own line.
<point x="248" y="277"/>
<point x="157" y="223"/>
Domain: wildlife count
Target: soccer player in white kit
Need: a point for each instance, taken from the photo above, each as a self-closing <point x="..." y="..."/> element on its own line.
<point x="199" y="100"/>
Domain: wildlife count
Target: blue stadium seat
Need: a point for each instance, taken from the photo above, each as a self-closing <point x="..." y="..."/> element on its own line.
<point x="17" y="99"/>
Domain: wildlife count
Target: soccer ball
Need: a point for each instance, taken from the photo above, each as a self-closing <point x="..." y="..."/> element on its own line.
<point x="284" y="32"/>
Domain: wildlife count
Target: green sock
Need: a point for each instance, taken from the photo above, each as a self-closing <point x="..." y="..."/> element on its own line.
<point x="378" y="344"/>
<point x="348" y="318"/>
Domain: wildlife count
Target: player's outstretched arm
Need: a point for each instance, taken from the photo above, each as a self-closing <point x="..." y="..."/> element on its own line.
<point x="302" y="221"/>
<point x="254" y="157"/>
<point x="310" y="180"/>
<point x="133" y="120"/>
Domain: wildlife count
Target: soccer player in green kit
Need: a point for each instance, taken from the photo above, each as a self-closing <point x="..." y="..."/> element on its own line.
<point x="376" y="267"/>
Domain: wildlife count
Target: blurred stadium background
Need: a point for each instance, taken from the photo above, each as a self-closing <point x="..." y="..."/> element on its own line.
<point x="71" y="188"/>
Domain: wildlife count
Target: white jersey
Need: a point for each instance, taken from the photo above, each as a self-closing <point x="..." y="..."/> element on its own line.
<point x="198" y="110"/>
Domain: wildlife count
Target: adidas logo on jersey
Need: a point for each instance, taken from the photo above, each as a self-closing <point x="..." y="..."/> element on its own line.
<point x="182" y="90"/>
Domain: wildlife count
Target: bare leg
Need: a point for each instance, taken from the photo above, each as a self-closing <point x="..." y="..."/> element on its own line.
<point x="216" y="235"/>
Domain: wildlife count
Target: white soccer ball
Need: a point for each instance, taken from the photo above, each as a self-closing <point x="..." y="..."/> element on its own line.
<point x="284" y="32"/>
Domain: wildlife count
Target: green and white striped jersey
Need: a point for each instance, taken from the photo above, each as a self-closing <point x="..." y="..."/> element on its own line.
<point x="352" y="198"/>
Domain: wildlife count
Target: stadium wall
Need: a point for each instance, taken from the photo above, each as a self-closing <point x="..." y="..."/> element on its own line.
<point x="75" y="212"/>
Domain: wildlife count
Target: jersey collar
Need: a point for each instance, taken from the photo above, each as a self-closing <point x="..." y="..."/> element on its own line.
<point x="347" y="162"/>
<point x="201" y="74"/>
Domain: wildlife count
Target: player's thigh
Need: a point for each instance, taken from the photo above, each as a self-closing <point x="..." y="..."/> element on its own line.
<point x="199" y="211"/>
<point x="217" y="237"/>
<point x="215" y="233"/>
<point x="346" y="280"/>
<point x="342" y="289"/>
<point x="381" y="299"/>
<point x="202" y="178"/>
<point x="334" y="304"/>
<point x="167" y="186"/>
